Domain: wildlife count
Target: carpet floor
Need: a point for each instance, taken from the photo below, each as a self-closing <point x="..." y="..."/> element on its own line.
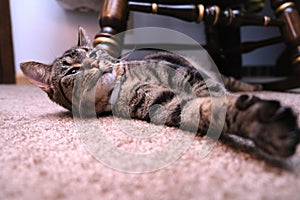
<point x="44" y="156"/>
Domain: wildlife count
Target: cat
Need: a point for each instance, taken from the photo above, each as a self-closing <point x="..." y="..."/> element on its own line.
<point x="87" y="80"/>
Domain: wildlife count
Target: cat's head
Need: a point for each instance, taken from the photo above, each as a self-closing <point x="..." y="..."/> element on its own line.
<point x="57" y="79"/>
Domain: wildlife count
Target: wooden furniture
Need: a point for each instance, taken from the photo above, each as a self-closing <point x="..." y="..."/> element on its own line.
<point x="222" y="19"/>
<point x="7" y="67"/>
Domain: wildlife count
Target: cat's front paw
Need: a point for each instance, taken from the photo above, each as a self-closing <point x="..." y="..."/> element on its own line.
<point x="271" y="126"/>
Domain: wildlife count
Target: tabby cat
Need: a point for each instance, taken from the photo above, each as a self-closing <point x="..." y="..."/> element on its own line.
<point x="132" y="88"/>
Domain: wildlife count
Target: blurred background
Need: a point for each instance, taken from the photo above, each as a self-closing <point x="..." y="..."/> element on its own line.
<point x="43" y="30"/>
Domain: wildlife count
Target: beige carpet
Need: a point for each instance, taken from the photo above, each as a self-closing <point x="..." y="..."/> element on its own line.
<point x="42" y="157"/>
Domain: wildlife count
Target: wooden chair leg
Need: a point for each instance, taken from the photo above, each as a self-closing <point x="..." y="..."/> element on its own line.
<point x="231" y="65"/>
<point x="219" y="38"/>
<point x="290" y="31"/>
<point x="113" y="20"/>
<point x="286" y="11"/>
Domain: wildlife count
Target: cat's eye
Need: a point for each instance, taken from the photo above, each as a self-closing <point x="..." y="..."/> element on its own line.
<point x="73" y="70"/>
<point x="85" y="48"/>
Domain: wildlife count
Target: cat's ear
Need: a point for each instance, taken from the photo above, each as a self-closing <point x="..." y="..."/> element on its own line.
<point x="38" y="74"/>
<point x="83" y="39"/>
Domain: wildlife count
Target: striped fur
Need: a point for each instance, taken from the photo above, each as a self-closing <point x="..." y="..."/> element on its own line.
<point x="163" y="88"/>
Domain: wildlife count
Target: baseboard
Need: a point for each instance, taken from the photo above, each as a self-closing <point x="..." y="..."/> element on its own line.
<point x="21" y="79"/>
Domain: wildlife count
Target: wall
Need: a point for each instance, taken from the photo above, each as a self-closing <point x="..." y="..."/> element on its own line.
<point x="42" y="30"/>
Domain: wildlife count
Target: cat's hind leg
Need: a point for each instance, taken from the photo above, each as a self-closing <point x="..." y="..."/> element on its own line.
<point x="271" y="126"/>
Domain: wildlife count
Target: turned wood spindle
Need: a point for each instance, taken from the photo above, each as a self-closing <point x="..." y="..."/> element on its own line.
<point x="212" y="15"/>
<point x="113" y="20"/>
<point x="286" y="11"/>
